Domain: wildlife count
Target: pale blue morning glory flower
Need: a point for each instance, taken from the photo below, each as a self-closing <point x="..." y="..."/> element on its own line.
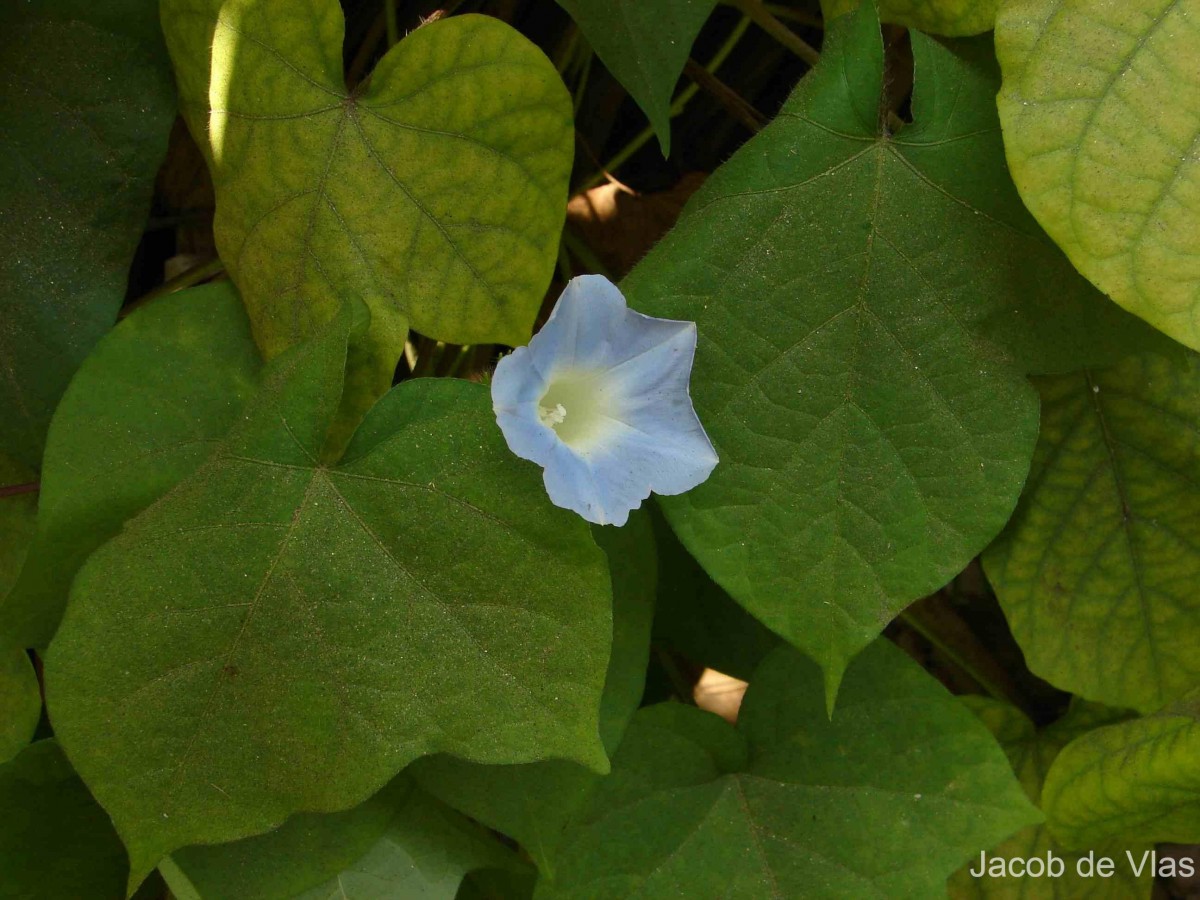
<point x="599" y="399"/>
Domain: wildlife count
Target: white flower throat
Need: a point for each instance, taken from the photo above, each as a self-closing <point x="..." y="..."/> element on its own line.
<point x="575" y="406"/>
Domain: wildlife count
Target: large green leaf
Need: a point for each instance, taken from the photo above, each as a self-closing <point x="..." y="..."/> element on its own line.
<point x="85" y="107"/>
<point x="532" y="802"/>
<point x="436" y="191"/>
<point x="1031" y="752"/>
<point x="645" y="46"/>
<point x="955" y="18"/>
<point x="1101" y="115"/>
<point x="55" y="842"/>
<point x="1134" y="781"/>
<point x="278" y="635"/>
<point x="886" y="800"/>
<point x="145" y="409"/>
<point x="1097" y="571"/>
<point x="861" y="299"/>
<point x="399" y="845"/>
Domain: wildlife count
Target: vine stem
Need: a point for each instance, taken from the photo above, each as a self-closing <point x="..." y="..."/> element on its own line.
<point x="14" y="490"/>
<point x="951" y="637"/>
<point x="184" y="280"/>
<point x="678" y="106"/>
<point x="758" y="12"/>
<point x="788" y="14"/>
<point x="685" y="691"/>
<point x="393" y="28"/>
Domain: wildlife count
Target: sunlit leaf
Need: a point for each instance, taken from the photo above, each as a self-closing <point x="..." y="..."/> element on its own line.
<point x="85" y="107"/>
<point x="435" y="191"/>
<point x="786" y="805"/>
<point x="278" y="634"/>
<point x="1101" y="115"/>
<point x="1134" y="781"/>
<point x="1031" y="752"/>
<point x="145" y="409"/>
<point x="399" y="845"/>
<point x="1097" y="571"/>
<point x="645" y="46"/>
<point x="866" y="303"/>
<point x="54" y="840"/>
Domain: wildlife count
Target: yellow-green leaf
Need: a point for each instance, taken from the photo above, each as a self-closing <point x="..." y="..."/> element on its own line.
<point x="1031" y="752"/>
<point x="1133" y="781"/>
<point x="1097" y="571"/>
<point x="1101" y="115"/>
<point x="435" y="191"/>
<point x="954" y="18"/>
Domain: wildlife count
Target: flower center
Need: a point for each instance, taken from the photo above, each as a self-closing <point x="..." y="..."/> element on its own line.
<point x="576" y="407"/>
<point x="552" y="417"/>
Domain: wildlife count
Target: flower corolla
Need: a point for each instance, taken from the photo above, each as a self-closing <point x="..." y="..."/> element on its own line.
<point x="599" y="399"/>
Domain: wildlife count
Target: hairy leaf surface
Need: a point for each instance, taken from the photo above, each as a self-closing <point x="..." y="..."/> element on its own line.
<point x="90" y="81"/>
<point x="1101" y="116"/>
<point x="278" y="634"/>
<point x="785" y="805"/>
<point x="1101" y="561"/>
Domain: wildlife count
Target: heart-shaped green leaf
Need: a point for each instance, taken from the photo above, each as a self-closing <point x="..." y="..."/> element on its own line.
<point x="436" y="191"/>
<point x="400" y="845"/>
<point x="90" y="81"/>
<point x="1134" y="781"/>
<point x="1102" y="559"/>
<point x="1031" y="752"/>
<point x="278" y="635"/>
<point x="145" y="409"/>
<point x="784" y="805"/>
<point x="55" y="841"/>
<point x="863" y="302"/>
<point x="645" y="46"/>
<point x="1101" y="115"/>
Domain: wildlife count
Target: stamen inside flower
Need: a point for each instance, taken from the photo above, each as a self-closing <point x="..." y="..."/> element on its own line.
<point x="576" y="407"/>
<point x="552" y="417"/>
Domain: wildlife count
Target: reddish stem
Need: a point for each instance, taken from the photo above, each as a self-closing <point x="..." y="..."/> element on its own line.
<point x="13" y="490"/>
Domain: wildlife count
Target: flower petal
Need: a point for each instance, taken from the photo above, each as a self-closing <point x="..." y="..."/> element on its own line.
<point x="627" y="375"/>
